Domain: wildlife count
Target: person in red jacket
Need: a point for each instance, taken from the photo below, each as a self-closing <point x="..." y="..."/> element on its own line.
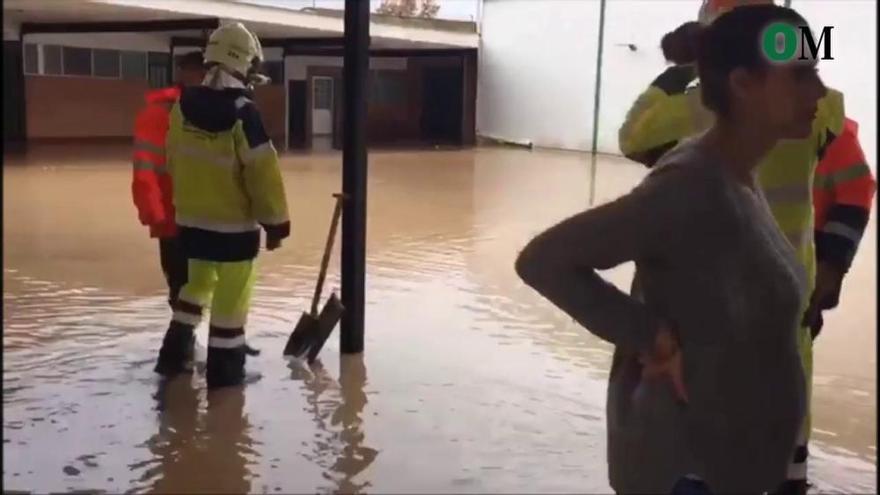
<point x="843" y="193"/>
<point x="151" y="184"/>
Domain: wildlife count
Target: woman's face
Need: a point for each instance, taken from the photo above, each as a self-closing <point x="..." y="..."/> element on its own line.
<point x="785" y="98"/>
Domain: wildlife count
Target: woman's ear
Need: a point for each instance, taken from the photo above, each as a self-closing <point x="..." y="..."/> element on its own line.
<point x="741" y="84"/>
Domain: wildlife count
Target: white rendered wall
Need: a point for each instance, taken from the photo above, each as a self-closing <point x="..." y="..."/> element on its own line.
<point x="537" y="71"/>
<point x="538" y="59"/>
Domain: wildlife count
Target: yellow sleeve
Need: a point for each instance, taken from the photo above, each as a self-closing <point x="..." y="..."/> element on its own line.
<point x="260" y="169"/>
<point x="655" y="119"/>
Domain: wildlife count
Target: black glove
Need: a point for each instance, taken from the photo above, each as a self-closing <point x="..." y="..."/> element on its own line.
<point x="816" y="326"/>
<point x="275" y="234"/>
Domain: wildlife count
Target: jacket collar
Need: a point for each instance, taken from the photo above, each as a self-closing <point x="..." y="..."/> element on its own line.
<point x="164" y="95"/>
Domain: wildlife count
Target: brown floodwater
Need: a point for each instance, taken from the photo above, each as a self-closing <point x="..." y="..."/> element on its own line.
<point x="470" y="382"/>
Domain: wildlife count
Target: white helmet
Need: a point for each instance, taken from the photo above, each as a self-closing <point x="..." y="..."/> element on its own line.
<point x="235" y="48"/>
<point x="712" y="9"/>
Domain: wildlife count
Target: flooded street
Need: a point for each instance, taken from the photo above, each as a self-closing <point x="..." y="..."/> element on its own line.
<point x="470" y="382"/>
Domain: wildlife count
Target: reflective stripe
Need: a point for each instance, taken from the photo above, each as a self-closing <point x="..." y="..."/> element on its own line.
<point x="140" y="145"/>
<point x="203" y="154"/>
<point x="797" y="471"/>
<point x="832" y="180"/>
<point x="225" y="323"/>
<point x="276" y="220"/>
<point x="226" y="343"/>
<point x="229" y="228"/>
<point x="241" y="101"/>
<point x="843" y="230"/>
<point x="144" y="165"/>
<point x="187" y="318"/>
<point x="252" y="154"/>
<point x="794" y="193"/>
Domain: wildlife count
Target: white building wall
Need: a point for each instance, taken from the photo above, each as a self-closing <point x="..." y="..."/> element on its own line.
<point x="537" y="71"/>
<point x="537" y="65"/>
<point x="626" y="73"/>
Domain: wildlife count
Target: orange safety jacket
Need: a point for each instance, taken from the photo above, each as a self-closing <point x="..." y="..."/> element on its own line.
<point x="843" y="191"/>
<point x="151" y="185"/>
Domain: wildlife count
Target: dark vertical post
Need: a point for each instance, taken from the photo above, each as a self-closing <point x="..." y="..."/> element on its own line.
<point x="22" y="106"/>
<point x="286" y="84"/>
<point x="597" y="99"/>
<point x="354" y="174"/>
<point x="170" y="78"/>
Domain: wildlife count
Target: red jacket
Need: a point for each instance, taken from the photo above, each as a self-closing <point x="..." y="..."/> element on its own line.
<point x="151" y="184"/>
<point x="843" y="194"/>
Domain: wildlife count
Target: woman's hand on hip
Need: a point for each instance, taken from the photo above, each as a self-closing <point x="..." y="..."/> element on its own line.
<point x="664" y="361"/>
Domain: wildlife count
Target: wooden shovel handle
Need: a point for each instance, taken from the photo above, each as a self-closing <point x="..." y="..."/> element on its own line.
<point x="325" y="261"/>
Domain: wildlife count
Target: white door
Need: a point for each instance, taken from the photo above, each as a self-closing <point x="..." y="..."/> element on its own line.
<point x="322" y="106"/>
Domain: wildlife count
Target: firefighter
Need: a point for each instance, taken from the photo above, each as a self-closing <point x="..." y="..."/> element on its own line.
<point x="843" y="192"/>
<point x="671" y="109"/>
<point x="151" y="184"/>
<point x="227" y="186"/>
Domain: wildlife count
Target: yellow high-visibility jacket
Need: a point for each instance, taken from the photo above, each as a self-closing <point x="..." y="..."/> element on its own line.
<point x="227" y="182"/>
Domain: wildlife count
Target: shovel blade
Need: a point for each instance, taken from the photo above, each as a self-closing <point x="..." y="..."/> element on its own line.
<point x="302" y="335"/>
<point x="327" y="320"/>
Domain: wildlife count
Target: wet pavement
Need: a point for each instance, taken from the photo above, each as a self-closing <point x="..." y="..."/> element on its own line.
<point x="470" y="382"/>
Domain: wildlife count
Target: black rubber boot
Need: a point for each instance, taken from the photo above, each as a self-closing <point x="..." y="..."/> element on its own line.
<point x="792" y="487"/>
<point x="225" y="366"/>
<point x="177" y="351"/>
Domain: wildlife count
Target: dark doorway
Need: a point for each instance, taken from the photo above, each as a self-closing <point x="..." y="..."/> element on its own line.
<point x="442" y="105"/>
<point x="13" y="95"/>
<point x="297" y="106"/>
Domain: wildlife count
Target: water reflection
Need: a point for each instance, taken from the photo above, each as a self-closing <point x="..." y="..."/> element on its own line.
<point x="340" y="448"/>
<point x="203" y="444"/>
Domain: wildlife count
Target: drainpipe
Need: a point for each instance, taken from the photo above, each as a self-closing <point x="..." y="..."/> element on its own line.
<point x="596" y="99"/>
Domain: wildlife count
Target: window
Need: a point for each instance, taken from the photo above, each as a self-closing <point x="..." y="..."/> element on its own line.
<point x="388" y="87"/>
<point x="323" y="93"/>
<point x="133" y="65"/>
<point x="158" y="75"/>
<point x="106" y="63"/>
<point x="77" y="61"/>
<point x="31" y="59"/>
<point x="52" y="60"/>
<point x="275" y="70"/>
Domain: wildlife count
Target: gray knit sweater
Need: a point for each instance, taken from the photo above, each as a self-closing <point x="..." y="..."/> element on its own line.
<point x="711" y="262"/>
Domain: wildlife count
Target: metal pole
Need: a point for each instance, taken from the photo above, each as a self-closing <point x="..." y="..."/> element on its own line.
<point x="596" y="101"/>
<point x="22" y="103"/>
<point x="170" y="78"/>
<point x="354" y="174"/>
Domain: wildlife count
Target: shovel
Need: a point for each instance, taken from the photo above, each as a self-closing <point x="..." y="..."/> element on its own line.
<point x="313" y="329"/>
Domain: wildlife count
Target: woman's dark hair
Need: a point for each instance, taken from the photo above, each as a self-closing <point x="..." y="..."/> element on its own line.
<point x="734" y="40"/>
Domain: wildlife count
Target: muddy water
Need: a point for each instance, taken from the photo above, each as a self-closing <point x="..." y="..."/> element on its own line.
<point x="470" y="382"/>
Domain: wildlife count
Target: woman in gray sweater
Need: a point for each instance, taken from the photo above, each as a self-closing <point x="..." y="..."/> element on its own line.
<point x="706" y="381"/>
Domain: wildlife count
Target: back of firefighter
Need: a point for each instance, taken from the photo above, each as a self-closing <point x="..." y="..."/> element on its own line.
<point x="227" y="186"/>
<point x="151" y="185"/>
<point x="671" y="109"/>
